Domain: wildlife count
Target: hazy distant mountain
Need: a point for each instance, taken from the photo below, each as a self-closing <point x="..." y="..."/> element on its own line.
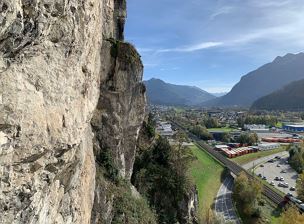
<point x="219" y="94"/>
<point x="291" y="97"/>
<point x="263" y="81"/>
<point x="162" y="93"/>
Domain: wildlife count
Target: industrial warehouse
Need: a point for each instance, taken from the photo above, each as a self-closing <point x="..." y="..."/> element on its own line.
<point x="231" y="152"/>
<point x="294" y="128"/>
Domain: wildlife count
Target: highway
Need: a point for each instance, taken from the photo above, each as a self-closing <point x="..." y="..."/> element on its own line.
<point x="233" y="167"/>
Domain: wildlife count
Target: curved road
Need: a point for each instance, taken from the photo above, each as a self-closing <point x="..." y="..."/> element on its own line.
<point x="223" y="202"/>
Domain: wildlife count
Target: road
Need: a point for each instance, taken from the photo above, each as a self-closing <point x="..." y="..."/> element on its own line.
<point x="223" y="202"/>
<point x="254" y="163"/>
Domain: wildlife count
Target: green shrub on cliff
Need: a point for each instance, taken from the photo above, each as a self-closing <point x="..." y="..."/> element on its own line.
<point x="160" y="174"/>
<point x="131" y="210"/>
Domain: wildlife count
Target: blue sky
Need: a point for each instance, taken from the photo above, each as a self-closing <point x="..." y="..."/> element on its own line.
<point x="212" y="43"/>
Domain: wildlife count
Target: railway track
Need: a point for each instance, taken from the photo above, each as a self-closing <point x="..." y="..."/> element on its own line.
<point x="236" y="169"/>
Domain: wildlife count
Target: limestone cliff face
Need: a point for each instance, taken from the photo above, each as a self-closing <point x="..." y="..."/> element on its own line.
<point x="68" y="89"/>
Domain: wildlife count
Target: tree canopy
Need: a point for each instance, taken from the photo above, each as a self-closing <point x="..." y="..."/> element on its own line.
<point x="296" y="157"/>
<point x="246" y="194"/>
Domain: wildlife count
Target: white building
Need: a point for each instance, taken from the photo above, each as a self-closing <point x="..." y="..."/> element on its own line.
<point x="268" y="146"/>
<point x="258" y="128"/>
<point x="164" y="129"/>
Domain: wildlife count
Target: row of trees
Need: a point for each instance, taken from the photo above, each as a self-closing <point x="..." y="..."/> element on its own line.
<point x="248" y="138"/>
<point x="296" y="157"/>
<point x="254" y="119"/>
<point x="204" y="134"/>
<point x="201" y="132"/>
<point x="300" y="186"/>
<point x="211" y="123"/>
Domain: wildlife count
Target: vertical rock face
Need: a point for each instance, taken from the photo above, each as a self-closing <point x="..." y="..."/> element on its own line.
<point x="117" y="118"/>
<point x="188" y="207"/>
<point x="68" y="89"/>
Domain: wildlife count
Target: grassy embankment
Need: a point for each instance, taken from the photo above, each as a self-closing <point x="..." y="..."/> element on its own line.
<point x="254" y="156"/>
<point x="206" y="173"/>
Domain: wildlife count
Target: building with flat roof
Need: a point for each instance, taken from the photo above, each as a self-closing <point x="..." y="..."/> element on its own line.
<point x="268" y="146"/>
<point x="294" y="127"/>
<point x="165" y="129"/>
<point x="258" y="128"/>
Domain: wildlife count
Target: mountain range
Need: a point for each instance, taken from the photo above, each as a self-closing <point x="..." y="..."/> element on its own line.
<point x="272" y="86"/>
<point x="162" y="93"/>
<point x="263" y="81"/>
<point x="291" y="97"/>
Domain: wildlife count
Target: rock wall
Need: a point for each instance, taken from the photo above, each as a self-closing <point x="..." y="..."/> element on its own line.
<point x="188" y="207"/>
<point x="68" y="90"/>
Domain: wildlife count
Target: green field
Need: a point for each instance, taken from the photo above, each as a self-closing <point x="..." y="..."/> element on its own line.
<point x="279" y="125"/>
<point x="226" y="129"/>
<point x="206" y="173"/>
<point x="179" y="109"/>
<point x="253" y="156"/>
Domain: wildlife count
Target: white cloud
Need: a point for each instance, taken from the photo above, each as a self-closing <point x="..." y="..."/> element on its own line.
<point x="191" y="48"/>
<point x="271" y="3"/>
<point x="222" y="11"/>
<point x="218" y="89"/>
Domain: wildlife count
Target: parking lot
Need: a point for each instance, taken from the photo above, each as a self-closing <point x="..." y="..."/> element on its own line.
<point x="278" y="168"/>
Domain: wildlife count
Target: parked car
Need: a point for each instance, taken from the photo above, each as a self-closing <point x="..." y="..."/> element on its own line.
<point x="283" y="171"/>
<point x="262" y="165"/>
<point x="264" y="178"/>
<point x="285" y="185"/>
<point x="270" y="161"/>
<point x="278" y="157"/>
<point x="277" y="178"/>
<point x="278" y="165"/>
<point x="292" y="189"/>
<point x="260" y="175"/>
<point x="281" y="178"/>
<point x="272" y="183"/>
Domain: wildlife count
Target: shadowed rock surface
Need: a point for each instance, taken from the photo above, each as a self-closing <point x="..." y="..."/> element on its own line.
<point x="263" y="81"/>
<point x="289" y="98"/>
